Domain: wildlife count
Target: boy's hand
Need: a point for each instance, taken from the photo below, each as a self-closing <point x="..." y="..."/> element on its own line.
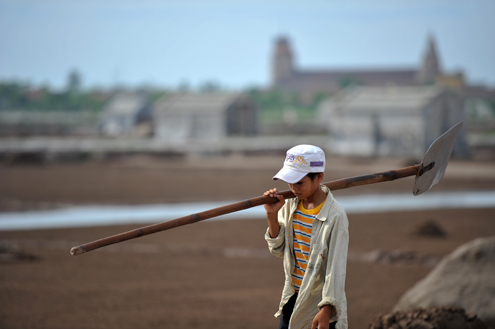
<point x="272" y="211"/>
<point x="322" y="319"/>
<point x="273" y="208"/>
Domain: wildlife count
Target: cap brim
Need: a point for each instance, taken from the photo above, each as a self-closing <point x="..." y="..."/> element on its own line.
<point x="290" y="176"/>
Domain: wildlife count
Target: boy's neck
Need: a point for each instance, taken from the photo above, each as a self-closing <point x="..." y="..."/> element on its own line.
<point x="314" y="200"/>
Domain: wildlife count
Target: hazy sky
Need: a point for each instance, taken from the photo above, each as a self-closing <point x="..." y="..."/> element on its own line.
<point x="167" y="43"/>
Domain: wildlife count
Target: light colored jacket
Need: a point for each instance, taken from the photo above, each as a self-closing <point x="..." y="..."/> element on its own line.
<point x="324" y="280"/>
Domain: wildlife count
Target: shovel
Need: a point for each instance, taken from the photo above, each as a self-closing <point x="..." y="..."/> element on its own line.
<point x="428" y="173"/>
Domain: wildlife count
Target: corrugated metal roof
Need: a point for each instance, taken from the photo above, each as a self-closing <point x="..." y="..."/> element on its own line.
<point x="370" y="99"/>
<point x="189" y="103"/>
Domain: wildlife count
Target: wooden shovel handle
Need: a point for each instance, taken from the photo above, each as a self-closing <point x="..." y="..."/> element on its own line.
<point x="373" y="178"/>
<point x="190" y="219"/>
<point x="193" y="218"/>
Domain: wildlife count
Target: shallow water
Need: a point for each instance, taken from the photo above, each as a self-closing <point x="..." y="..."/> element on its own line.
<point x="81" y="216"/>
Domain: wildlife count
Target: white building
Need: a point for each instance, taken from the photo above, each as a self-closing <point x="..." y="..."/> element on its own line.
<point x="124" y="114"/>
<point x="390" y="121"/>
<point x="204" y="116"/>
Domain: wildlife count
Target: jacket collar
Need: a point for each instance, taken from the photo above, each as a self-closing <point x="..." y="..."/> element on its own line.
<point x="322" y="216"/>
<point x="325" y="210"/>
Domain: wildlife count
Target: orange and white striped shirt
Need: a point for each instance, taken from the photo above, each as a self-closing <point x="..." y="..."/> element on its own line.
<point x="302" y="224"/>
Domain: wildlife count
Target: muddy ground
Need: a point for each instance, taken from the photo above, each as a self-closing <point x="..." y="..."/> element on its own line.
<point x="213" y="274"/>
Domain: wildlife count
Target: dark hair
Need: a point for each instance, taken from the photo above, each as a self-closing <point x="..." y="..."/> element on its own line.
<point x="312" y="175"/>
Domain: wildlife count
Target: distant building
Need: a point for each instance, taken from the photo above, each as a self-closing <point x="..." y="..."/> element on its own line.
<point x="127" y="113"/>
<point x="390" y="121"/>
<point x="204" y="116"/>
<point x="287" y="76"/>
<point x="23" y="123"/>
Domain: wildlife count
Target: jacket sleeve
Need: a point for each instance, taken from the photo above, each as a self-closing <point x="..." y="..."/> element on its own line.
<point x="333" y="290"/>
<point x="276" y="245"/>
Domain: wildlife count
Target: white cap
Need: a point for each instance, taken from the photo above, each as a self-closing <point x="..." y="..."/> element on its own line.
<point x="301" y="160"/>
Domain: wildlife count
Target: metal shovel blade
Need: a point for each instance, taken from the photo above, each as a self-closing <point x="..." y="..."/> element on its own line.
<point x="435" y="160"/>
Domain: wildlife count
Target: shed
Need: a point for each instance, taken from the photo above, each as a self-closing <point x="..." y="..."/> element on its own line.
<point x="124" y="113"/>
<point x="390" y="121"/>
<point x="204" y="116"/>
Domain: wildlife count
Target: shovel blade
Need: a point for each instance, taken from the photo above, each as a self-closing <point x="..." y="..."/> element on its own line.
<point x="435" y="160"/>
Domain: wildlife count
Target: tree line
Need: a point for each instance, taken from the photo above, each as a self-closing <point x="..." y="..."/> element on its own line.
<point x="21" y="96"/>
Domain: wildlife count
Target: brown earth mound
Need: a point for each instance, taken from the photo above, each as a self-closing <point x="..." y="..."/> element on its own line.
<point x="432" y="229"/>
<point x="429" y="318"/>
<point x="464" y="279"/>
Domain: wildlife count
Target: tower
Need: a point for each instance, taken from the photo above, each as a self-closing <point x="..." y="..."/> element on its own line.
<point x="282" y="65"/>
<point x="430" y="68"/>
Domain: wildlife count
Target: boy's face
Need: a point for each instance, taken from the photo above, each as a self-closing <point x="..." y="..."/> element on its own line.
<point x="306" y="187"/>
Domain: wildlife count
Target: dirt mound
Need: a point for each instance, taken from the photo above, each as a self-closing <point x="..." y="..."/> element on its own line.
<point x="429" y="318"/>
<point x="10" y="254"/>
<point x="430" y="228"/>
<point x="464" y="279"/>
<point x="395" y="256"/>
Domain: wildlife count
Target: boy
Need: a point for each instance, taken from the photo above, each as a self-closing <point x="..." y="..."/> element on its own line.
<point x="310" y="232"/>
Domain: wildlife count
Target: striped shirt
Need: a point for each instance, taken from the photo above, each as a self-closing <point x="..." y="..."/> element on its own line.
<point x="302" y="224"/>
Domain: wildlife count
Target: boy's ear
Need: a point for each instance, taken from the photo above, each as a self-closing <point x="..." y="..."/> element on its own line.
<point x="320" y="177"/>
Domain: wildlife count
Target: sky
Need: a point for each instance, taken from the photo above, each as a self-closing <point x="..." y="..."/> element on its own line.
<point x="171" y="43"/>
